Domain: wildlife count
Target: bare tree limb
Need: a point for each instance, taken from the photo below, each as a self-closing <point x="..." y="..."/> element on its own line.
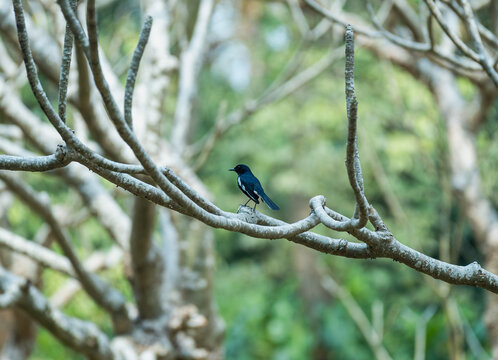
<point x="35" y="164"/>
<point x="353" y="166"/>
<point x="468" y="275"/>
<point x="65" y="66"/>
<point x="436" y="12"/>
<point x="448" y="61"/>
<point x="133" y="70"/>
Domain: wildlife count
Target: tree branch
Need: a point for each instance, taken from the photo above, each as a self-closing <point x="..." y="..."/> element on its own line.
<point x="133" y="70"/>
<point x="36" y="164"/>
<point x="65" y="67"/>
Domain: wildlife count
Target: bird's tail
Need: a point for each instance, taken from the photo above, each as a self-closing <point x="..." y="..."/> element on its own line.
<point x="268" y="202"/>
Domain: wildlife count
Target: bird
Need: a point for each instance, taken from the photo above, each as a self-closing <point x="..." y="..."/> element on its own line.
<point x="250" y="185"/>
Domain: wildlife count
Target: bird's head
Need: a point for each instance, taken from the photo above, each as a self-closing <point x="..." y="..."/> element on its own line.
<point x="240" y="169"/>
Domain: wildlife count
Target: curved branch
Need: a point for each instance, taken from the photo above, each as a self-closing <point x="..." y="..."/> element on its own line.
<point x="36" y="163"/>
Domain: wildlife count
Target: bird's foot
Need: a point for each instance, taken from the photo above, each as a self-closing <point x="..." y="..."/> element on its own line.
<point x="245" y="209"/>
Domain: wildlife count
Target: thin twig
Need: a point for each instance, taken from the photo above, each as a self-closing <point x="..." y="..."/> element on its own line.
<point x="298" y="16"/>
<point x="430" y="32"/>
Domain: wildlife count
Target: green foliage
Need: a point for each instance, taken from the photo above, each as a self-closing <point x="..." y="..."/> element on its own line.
<point x="265" y="313"/>
<point x="47" y="347"/>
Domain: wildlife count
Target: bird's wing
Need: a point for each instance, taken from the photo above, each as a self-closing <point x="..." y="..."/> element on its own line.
<point x="247" y="188"/>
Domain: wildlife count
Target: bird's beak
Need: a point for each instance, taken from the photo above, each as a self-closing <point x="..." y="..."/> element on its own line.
<point x="232" y="169"/>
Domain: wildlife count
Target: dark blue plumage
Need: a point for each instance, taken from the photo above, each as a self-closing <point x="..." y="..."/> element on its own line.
<point x="251" y="186"/>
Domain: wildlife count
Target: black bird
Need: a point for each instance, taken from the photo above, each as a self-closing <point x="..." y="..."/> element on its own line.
<point x="251" y="186"/>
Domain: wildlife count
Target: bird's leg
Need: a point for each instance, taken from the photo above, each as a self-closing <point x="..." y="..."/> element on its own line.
<point x="254" y="208"/>
<point x="247" y="202"/>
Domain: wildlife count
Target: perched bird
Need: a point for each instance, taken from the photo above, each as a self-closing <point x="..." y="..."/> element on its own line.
<point x="251" y="186"/>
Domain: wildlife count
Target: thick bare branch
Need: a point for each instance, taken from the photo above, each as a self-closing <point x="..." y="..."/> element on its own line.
<point x="353" y="166"/>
